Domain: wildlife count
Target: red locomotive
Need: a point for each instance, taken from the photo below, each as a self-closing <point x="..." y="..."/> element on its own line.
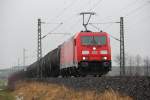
<point x="86" y="53"/>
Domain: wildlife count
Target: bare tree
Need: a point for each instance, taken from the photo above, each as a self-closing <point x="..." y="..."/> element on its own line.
<point x="131" y="64"/>
<point x="147" y="65"/>
<point x="117" y="59"/>
<point x="127" y="59"/>
<point x="138" y="61"/>
<point x="134" y="64"/>
<point x="128" y="64"/>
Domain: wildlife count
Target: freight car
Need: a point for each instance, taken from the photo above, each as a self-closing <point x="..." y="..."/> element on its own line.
<point x="86" y="53"/>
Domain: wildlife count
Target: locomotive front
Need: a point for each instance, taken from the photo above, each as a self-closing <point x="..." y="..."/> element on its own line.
<point x="93" y="52"/>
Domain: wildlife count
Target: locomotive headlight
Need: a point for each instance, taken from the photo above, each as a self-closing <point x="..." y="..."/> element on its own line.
<point x="85" y="52"/>
<point x="104" y="58"/>
<point x="83" y="58"/>
<point x="94" y="48"/>
<point x="103" y="52"/>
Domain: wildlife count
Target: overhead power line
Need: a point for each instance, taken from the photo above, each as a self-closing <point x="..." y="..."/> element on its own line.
<point x="114" y="38"/>
<point x="110" y="24"/>
<point x="104" y="23"/>
<point x="55" y="34"/>
<point x="65" y="9"/>
<point x="128" y="6"/>
<point x="73" y="25"/>
<point x="51" y="23"/>
<point x="137" y="9"/>
<point x="107" y="27"/>
<point x="95" y="27"/>
<point x="109" y="34"/>
<point x="79" y="10"/>
<point x="53" y="30"/>
<point x="95" y="5"/>
<point x="125" y="8"/>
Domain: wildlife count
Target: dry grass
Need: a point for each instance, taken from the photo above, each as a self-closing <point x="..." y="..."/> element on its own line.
<point x="44" y="91"/>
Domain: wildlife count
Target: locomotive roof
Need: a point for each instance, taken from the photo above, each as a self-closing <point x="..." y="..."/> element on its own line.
<point x="88" y="33"/>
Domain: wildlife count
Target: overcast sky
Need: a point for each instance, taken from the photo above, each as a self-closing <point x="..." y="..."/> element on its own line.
<point x="18" y="25"/>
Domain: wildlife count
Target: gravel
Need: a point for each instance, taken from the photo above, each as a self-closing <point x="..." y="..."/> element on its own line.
<point x="137" y="87"/>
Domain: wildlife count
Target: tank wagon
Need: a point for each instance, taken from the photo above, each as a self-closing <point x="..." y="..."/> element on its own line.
<point x="86" y="53"/>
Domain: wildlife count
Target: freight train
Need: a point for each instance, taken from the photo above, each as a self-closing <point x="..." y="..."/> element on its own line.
<point x="86" y="53"/>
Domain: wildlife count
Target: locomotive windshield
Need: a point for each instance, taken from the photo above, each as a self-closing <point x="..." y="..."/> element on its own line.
<point x="93" y="40"/>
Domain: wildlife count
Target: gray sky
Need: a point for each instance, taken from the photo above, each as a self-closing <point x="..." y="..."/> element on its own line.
<point x="18" y="25"/>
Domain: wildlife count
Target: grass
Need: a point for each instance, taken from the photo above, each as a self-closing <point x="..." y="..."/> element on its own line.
<point x="2" y="83"/>
<point x="6" y="95"/>
<point x="44" y="91"/>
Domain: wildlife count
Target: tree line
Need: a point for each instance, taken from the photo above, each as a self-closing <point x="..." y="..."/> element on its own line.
<point x="135" y="64"/>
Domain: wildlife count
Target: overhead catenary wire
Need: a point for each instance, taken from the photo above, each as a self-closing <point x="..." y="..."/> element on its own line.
<point x="138" y="20"/>
<point x="73" y="25"/>
<point x="70" y="18"/>
<point x="109" y="34"/>
<point x="54" y="29"/>
<point x="135" y="10"/>
<point x="95" y="5"/>
<point x="132" y="12"/>
<point x="64" y="9"/>
<point x="91" y="8"/>
<point x="141" y="11"/>
<point x="57" y="16"/>
<point x="133" y="29"/>
<point x="127" y="6"/>
<point x="95" y="27"/>
<point x="104" y="23"/>
<point x="109" y="24"/>
<point x="51" y="23"/>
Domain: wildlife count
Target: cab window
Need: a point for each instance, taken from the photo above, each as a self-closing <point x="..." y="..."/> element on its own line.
<point x="93" y="40"/>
